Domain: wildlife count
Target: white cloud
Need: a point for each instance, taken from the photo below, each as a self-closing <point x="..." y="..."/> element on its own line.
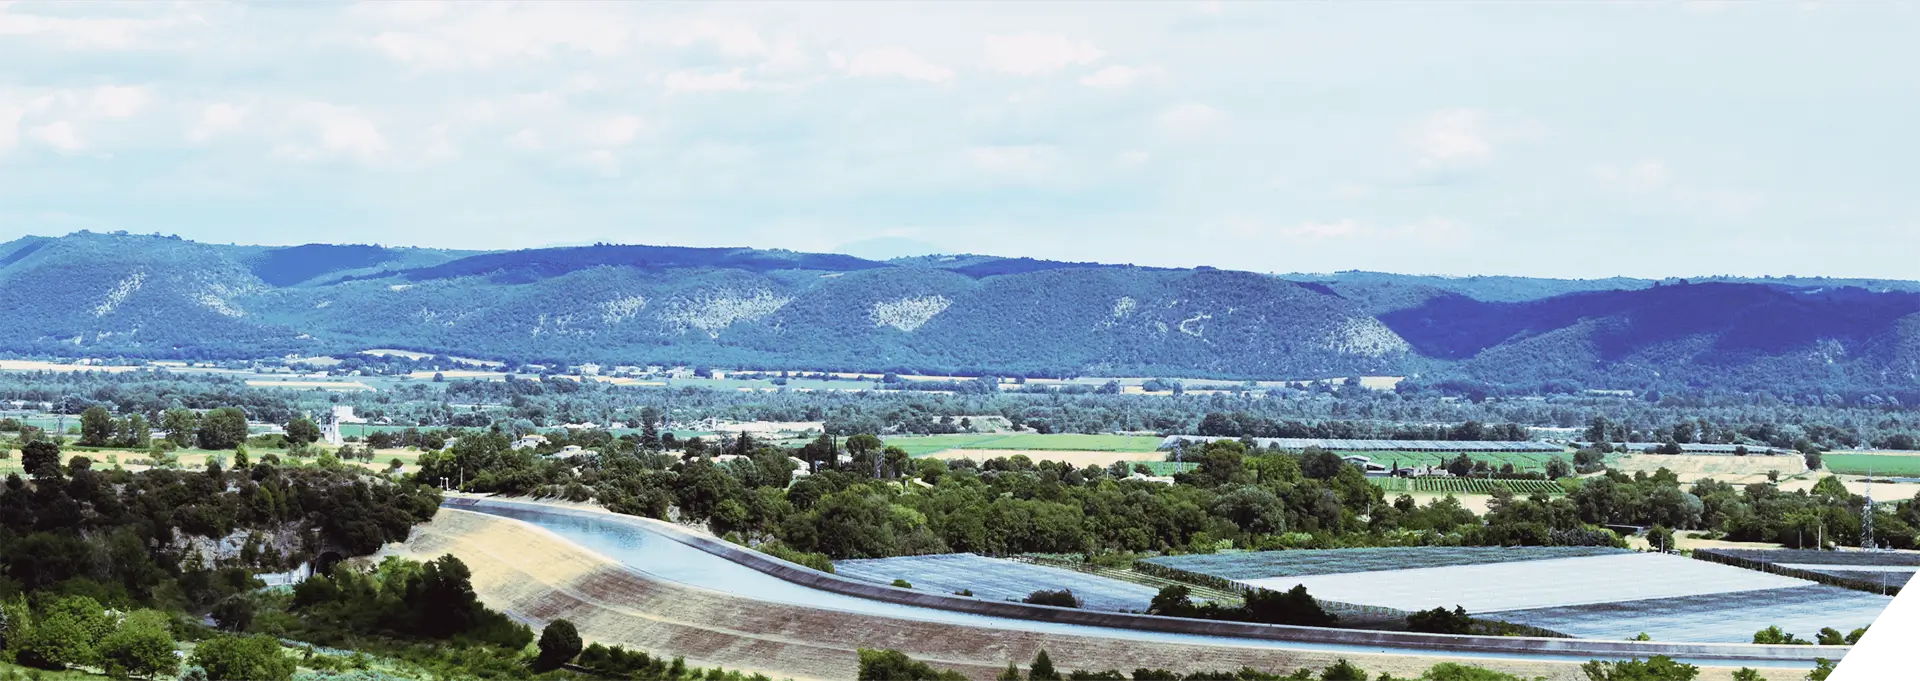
<point x="1115" y="77"/>
<point x="60" y="135"/>
<point x="1646" y="174"/>
<point x="1344" y="230"/>
<point x="485" y="35"/>
<point x="897" y="62"/>
<point x="731" y="40"/>
<point x="82" y="32"/>
<point x="1037" y="54"/>
<point x="1451" y="138"/>
<point x="616" y="131"/>
<point x="601" y="162"/>
<point x="217" y="118"/>
<point x="1132" y="159"/>
<point x="1015" y="159"/>
<point x="1188" y="117"/>
<point x="527" y="138"/>
<point x="116" y="101"/>
<point x="10" y="116"/>
<point x="695" y="81"/>
<point x="336" y="131"/>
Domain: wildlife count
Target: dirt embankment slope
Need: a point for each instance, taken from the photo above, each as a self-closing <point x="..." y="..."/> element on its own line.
<point x="537" y="576"/>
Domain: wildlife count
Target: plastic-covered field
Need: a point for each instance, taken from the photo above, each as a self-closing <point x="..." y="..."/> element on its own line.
<point x="1723" y="618"/>
<point x="1261" y="564"/>
<point x="1523" y="585"/>
<point x="1810" y="556"/>
<point x="998" y="580"/>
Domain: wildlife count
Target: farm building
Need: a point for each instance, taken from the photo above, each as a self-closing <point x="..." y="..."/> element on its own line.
<point x="1295" y="444"/>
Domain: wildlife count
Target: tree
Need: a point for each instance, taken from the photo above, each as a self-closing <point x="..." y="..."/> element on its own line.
<point x="65" y="634"/>
<point x="180" y="424"/>
<point x="243" y="658"/>
<point x="1172" y="601"/>
<point x="1557" y="468"/>
<point x="302" y="431"/>
<point x="1011" y="673"/>
<point x="234" y="613"/>
<point x="1294" y="606"/>
<point x="134" y="432"/>
<point x="1660" y="538"/>
<point x="1813" y="459"/>
<point x="1343" y="671"/>
<point x="865" y="450"/>
<point x="141" y="647"/>
<point x="893" y="665"/>
<point x="41" y="459"/>
<point x="1460" y="466"/>
<point x="1747" y="674"/>
<point x="1449" y="671"/>
<point x="1042" y="668"/>
<point x="223" y="428"/>
<point x="1775" y="636"/>
<point x="559" y="644"/>
<point x="96" y="427"/>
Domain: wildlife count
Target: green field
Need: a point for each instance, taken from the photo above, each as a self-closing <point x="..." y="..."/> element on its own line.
<point x="1169" y="467"/>
<point x="1452" y="485"/>
<point x="922" y="445"/>
<point x="1877" y="464"/>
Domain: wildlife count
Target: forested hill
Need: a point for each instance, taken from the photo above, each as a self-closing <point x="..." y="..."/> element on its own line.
<point x="162" y="297"/>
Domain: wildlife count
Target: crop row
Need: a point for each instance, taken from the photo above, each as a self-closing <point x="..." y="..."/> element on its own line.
<point x="1452" y="485"/>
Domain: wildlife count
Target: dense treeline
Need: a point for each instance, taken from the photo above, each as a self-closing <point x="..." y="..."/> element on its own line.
<point x="1812" y="420"/>
<point x="893" y="665"/>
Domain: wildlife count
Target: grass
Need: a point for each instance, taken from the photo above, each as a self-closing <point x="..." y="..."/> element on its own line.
<point x="1165" y="468"/>
<point x="921" y="445"/>
<point x="1877" y="464"/>
<point x="13" y="671"/>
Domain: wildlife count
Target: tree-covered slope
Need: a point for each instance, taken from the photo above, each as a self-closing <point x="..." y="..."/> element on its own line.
<point x="150" y="296"/>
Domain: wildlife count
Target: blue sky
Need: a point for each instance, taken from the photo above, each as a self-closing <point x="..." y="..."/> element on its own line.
<point x="1555" y="139"/>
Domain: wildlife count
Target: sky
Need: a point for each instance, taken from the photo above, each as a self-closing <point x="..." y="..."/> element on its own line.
<point x="1565" y="139"/>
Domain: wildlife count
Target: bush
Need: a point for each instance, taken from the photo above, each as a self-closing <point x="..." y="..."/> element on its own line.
<point x="141" y="646"/>
<point x="1441" y="621"/>
<point x="893" y="665"/>
<point x="1063" y="598"/>
<point x="559" y="644"/>
<point x="243" y="658"/>
<point x="1657" y="668"/>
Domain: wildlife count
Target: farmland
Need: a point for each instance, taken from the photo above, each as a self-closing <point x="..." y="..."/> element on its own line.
<point x="1904" y="465"/>
<point x="1579" y="591"/>
<point x="1261" y="564"/>
<point x="925" y="445"/>
<point x="1522" y="461"/>
<point x="997" y="579"/>
<point x="1723" y="617"/>
<point x="1452" y="485"/>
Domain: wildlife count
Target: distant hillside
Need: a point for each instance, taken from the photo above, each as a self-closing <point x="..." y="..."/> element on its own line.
<point x="116" y="294"/>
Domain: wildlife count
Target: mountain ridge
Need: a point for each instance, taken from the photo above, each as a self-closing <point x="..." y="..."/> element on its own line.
<point x="88" y="294"/>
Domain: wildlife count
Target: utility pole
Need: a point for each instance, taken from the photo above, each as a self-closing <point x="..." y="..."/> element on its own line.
<point x="1866" y="520"/>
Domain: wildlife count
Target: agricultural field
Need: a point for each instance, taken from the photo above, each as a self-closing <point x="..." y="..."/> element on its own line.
<point x="1168" y="468"/>
<point x="1533" y="584"/>
<point x="997" y="579"/>
<point x="1263" y="564"/>
<point x="1691" y="467"/>
<point x="1722" y="617"/>
<point x="1878" y="465"/>
<point x="1886" y="568"/>
<point x="1522" y="461"/>
<point x="924" y="445"/>
<point x="1452" y="485"/>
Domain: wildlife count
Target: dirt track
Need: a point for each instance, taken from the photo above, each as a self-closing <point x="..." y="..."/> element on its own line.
<point x="537" y="576"/>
